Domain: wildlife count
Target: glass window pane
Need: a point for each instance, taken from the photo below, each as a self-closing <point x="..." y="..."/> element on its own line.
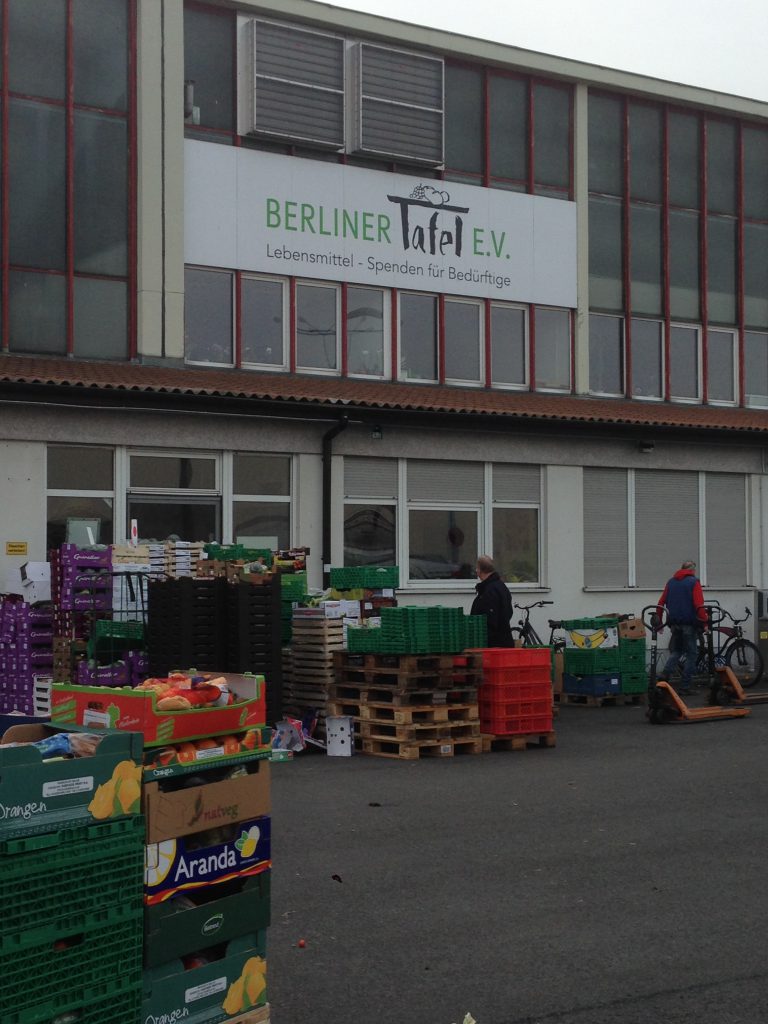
<point x="316" y="327"/>
<point x="508" y="341"/>
<point x="646" y="259"/>
<point x="37" y="48"/>
<point x="684" y="362"/>
<point x="551" y="135"/>
<point x="606" y="157"/>
<point x="262" y="323"/>
<point x="756" y="275"/>
<point x="755" y="172"/>
<point x="464" y="119"/>
<point x="369" y="535"/>
<point x="207" y="316"/>
<point x="186" y="519"/>
<point x="100" y="52"/>
<point x="36" y="180"/>
<point x="516" y="544"/>
<point x="79" y="468"/>
<point x="647" y="359"/>
<point x="262" y="520"/>
<point x="721" y="167"/>
<point x="101" y="194"/>
<point x="101" y="319"/>
<point x="61" y="508"/>
<point x="38" y="320"/>
<point x="365" y="331"/>
<point x="209" y="64"/>
<point x="462" y="340"/>
<point x="684" y="160"/>
<point x="262" y="474"/>
<point x="606" y="355"/>
<point x="721" y="346"/>
<point x="684" y="264"/>
<point x="175" y="472"/>
<point x="508" y="99"/>
<point x="756" y="368"/>
<point x="721" y="270"/>
<point x="645" y="159"/>
<point x="418" y="336"/>
<point x="553" y="348"/>
<point x="606" y="260"/>
<point x="442" y="544"/>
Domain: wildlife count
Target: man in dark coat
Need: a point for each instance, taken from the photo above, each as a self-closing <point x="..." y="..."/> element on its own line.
<point x="494" y="601"/>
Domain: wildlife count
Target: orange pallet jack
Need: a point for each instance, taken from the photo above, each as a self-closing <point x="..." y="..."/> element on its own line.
<point x="664" y="703"/>
<point x="728" y="690"/>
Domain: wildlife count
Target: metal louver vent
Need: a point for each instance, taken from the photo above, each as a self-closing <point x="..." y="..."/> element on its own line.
<point x="398" y="104"/>
<point x="297" y="85"/>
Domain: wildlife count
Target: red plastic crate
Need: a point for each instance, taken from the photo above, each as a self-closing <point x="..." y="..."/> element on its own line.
<point x="515" y="708"/>
<point x="514" y="657"/>
<point x="526" y="674"/>
<point x="516" y="726"/>
<point x="515" y="690"/>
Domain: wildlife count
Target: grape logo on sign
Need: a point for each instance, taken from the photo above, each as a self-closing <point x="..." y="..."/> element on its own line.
<point x="437" y="233"/>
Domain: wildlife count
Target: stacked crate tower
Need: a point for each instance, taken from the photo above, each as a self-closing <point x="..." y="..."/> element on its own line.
<point x="516" y="697"/>
<point x="71" y="883"/>
<point x="610" y="666"/>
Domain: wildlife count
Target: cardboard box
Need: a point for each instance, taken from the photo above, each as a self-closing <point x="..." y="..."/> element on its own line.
<point x="35" y="572"/>
<point x="557" y="672"/>
<point x="182" y="812"/>
<point x="239" y="907"/>
<point x="211" y="993"/>
<point x="41" y="796"/>
<point x="631" y="629"/>
<point x="125" y="708"/>
<point x="340" y="735"/>
<point x="178" y="864"/>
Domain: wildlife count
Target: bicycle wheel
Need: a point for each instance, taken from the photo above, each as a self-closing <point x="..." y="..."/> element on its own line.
<point x="745" y="661"/>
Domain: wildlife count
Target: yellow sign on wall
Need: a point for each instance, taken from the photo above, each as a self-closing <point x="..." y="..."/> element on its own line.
<point x="15" y="547"/>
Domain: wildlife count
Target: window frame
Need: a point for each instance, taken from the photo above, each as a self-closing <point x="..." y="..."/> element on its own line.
<point x="303" y="282"/>
<point x="734" y="333"/>
<point x="525" y="309"/>
<point x="538" y="508"/>
<point x="172" y="453"/>
<point x="623" y="351"/>
<point x="533" y="317"/>
<point x="422" y="505"/>
<point x="386" y="331"/>
<point x="232" y="274"/>
<point x="240" y="278"/>
<point x="397" y="330"/>
<point x="466" y="300"/>
<point x="699" y="363"/>
<point x="663" y="360"/>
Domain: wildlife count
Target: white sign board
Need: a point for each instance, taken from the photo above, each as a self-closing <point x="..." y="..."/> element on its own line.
<point x="248" y="210"/>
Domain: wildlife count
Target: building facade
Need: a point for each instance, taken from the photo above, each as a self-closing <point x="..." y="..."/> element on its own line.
<point x="304" y="276"/>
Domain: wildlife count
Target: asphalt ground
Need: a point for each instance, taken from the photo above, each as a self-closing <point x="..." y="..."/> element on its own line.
<point x="619" y="878"/>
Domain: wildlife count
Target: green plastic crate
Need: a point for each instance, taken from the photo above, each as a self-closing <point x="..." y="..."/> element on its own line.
<point x="109" y="1004"/>
<point x="598" y="623"/>
<point x="293" y="586"/>
<point x="585" y="663"/>
<point x="64" y="976"/>
<point x="72" y="881"/>
<point x="368" y="577"/>
<point x="634" y="682"/>
<point x="108" y="636"/>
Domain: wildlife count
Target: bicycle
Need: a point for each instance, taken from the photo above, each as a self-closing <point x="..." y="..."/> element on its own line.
<point x="524" y="634"/>
<point x="732" y="649"/>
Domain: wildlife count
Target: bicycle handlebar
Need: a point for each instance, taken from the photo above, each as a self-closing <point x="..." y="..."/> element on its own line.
<point x="734" y="620"/>
<point x="527" y="607"/>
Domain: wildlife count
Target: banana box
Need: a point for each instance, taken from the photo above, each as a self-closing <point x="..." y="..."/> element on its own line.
<point x="71" y="777"/>
<point x="590" y="639"/>
<point x="203" y="990"/>
<point x="206" y="858"/>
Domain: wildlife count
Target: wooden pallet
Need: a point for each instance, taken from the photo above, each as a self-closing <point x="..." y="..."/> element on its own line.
<point x="439" y="731"/>
<point x="429" y="714"/>
<point x="524" y="742"/>
<point x="405" y="680"/>
<point x="609" y="700"/>
<point x="402" y="698"/>
<point x="408" y="750"/>
<point x="411" y="663"/>
<point x="350" y="708"/>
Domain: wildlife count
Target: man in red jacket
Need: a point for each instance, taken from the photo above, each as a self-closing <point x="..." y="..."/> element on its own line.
<point x="686" y="616"/>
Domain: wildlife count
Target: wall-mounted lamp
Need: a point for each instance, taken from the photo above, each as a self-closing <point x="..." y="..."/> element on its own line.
<point x="646" y="447"/>
<point x="376" y="433"/>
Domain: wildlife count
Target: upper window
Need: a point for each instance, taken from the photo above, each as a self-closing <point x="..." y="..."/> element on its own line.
<point x="756" y="368"/>
<point x="317" y="327"/>
<point x="418" y="336"/>
<point x="463" y="341"/>
<point x="508" y="131"/>
<point x="606" y="355"/>
<point x="509" y="346"/>
<point x="685" y="362"/>
<point x="552" y="349"/>
<point x="208" y="316"/>
<point x="367" y="331"/>
<point x="66" y="178"/>
<point x="721" y="367"/>
<point x="263" y="322"/>
<point x="647" y="359"/>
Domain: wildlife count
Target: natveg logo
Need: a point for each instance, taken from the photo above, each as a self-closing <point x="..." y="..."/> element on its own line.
<point x="212" y="925"/>
<point x="202" y="813"/>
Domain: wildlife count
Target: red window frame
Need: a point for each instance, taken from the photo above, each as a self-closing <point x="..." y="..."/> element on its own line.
<point x="69" y="106"/>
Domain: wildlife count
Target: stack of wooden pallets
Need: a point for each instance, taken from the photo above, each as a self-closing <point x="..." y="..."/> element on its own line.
<point x="410" y="706"/>
<point x="314" y="643"/>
